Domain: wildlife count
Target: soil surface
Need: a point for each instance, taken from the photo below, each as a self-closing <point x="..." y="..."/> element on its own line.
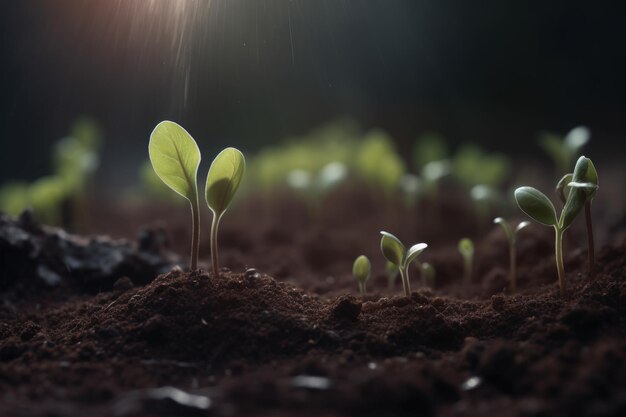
<point x="101" y="327"/>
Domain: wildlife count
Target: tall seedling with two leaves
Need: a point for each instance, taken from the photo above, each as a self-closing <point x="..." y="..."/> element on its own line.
<point x="175" y="157"/>
<point x="222" y="183"/>
<point x="539" y="208"/>
<point x="395" y="252"/>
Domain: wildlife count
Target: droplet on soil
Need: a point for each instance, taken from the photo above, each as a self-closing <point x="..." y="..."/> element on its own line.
<point x="310" y="382"/>
<point x="471" y="383"/>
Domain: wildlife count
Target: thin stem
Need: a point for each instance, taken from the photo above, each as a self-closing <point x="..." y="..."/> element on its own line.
<point x="214" y="257"/>
<point x="362" y="288"/>
<point x="404" y="273"/>
<point x="468" y="269"/>
<point x="558" y="251"/>
<point x="513" y="268"/>
<point x="195" y="234"/>
<point x="590" y="245"/>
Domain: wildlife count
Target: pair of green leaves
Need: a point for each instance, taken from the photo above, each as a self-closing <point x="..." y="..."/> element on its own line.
<point x="396" y="253"/>
<point x="583" y="186"/>
<point x="175" y="157"/>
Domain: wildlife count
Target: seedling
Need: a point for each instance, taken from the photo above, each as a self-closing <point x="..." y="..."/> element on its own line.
<point x="511" y="236"/>
<point x="473" y="166"/>
<point x="361" y="270"/>
<point x="589" y="180"/>
<point x="175" y="158"/>
<point x="428" y="274"/>
<point x="466" y="248"/>
<point x="224" y="178"/>
<point x="428" y="148"/>
<point x="484" y="197"/>
<point x="392" y="274"/>
<point x="395" y="252"/>
<point x="564" y="150"/>
<point x="539" y="208"/>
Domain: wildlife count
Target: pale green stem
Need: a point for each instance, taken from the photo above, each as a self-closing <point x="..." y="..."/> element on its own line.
<point x="404" y="273"/>
<point x="362" y="288"/>
<point x="195" y="234"/>
<point x="468" y="269"/>
<point x="558" y="251"/>
<point x="214" y="257"/>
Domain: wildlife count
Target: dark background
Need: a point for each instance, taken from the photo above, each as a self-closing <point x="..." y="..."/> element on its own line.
<point x="248" y="73"/>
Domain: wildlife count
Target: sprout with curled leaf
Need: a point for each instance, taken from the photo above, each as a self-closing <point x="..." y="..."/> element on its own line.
<point x="175" y="158"/>
<point x="361" y="270"/>
<point x="511" y="236"/>
<point x="224" y="178"/>
<point x="539" y="208"/>
<point x="396" y="253"/>
<point x="466" y="249"/>
<point x="564" y="150"/>
<point x="589" y="183"/>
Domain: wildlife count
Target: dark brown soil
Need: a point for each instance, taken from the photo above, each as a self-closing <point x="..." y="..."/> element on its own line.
<point x="287" y="338"/>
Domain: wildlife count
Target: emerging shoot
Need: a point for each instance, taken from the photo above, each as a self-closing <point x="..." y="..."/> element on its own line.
<point x="224" y="178"/>
<point x="395" y="252"/>
<point x="428" y="274"/>
<point x="175" y="157"/>
<point x="539" y="208"/>
<point x="466" y="248"/>
<point x="589" y="183"/>
<point x="511" y="236"/>
<point x="361" y="270"/>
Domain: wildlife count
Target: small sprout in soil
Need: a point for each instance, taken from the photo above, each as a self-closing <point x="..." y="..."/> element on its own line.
<point x="395" y="252"/>
<point x="392" y="274"/>
<point x="589" y="182"/>
<point x="361" y="270"/>
<point x="175" y="157"/>
<point x="428" y="274"/>
<point x="224" y="178"/>
<point x="466" y="248"/>
<point x="539" y="208"/>
<point x="511" y="235"/>
<point x="564" y="150"/>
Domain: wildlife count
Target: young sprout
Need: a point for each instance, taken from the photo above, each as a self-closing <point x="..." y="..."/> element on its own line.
<point x="564" y="150"/>
<point x="466" y="248"/>
<point x="590" y="184"/>
<point x="539" y="208"/>
<point x="392" y="274"/>
<point x="175" y="158"/>
<point x="361" y="270"/>
<point x="395" y="252"/>
<point x="224" y="177"/>
<point x="511" y="236"/>
<point x="428" y="274"/>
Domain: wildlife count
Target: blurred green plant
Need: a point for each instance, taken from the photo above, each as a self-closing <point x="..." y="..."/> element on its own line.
<point x="392" y="273"/>
<point x="428" y="274"/>
<point x="394" y="251"/>
<point x="377" y="162"/>
<point x="511" y="236"/>
<point x="472" y="166"/>
<point x="222" y="183"/>
<point x="430" y="147"/>
<point x="175" y="158"/>
<point x="361" y="269"/>
<point x="75" y="160"/>
<point x="466" y="249"/>
<point x="563" y="150"/>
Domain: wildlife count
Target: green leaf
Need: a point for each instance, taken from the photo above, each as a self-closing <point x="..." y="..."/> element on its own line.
<point x="224" y="178"/>
<point x="361" y="268"/>
<point x="585" y="176"/>
<point x="393" y="250"/>
<point x="466" y="247"/>
<point x="575" y="203"/>
<point x="505" y="226"/>
<point x="175" y="158"/>
<point x="561" y="187"/>
<point x="414" y="251"/>
<point x="536" y="205"/>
